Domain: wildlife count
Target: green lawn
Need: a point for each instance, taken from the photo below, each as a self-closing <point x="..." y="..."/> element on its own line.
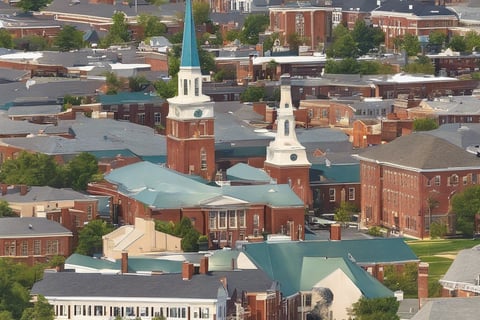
<point x="439" y="254"/>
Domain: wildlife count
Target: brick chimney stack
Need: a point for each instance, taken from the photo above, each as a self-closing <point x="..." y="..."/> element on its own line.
<point x="23" y="189"/>
<point x="187" y="270"/>
<point x="124" y="262"/>
<point x="422" y="283"/>
<point x="203" y="265"/>
<point x="335" y="232"/>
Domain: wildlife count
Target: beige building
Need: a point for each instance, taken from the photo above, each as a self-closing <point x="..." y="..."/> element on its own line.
<point x="138" y="239"/>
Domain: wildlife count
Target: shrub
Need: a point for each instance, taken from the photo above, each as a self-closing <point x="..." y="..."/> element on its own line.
<point x="375" y="231"/>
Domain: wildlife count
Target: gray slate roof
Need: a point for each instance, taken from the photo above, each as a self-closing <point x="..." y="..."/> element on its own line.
<point x="421" y="151"/>
<point x="93" y="285"/>
<point x="464" y="270"/>
<point x="449" y="309"/>
<point x="462" y="135"/>
<point x="20" y="227"/>
<point x="36" y="194"/>
<point x="417" y="8"/>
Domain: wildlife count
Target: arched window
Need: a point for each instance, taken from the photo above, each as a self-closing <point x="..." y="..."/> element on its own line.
<point x="287" y="128"/>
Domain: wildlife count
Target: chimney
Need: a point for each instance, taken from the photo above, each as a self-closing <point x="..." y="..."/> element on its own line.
<point x="335" y="232"/>
<point x="4" y="187"/>
<point x="422" y="283"/>
<point x="124" y="262"/>
<point x="23" y="189"/>
<point x="204" y="265"/>
<point x="379" y="272"/>
<point x="187" y="270"/>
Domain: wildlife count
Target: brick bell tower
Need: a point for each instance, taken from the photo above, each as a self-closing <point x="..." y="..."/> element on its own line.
<point x="286" y="158"/>
<point x="190" y="120"/>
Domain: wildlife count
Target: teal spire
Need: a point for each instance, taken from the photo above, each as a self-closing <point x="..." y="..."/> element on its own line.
<point x="189" y="44"/>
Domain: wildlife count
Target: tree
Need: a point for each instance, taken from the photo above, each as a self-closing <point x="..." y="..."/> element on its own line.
<point x="344" y="45"/>
<point x="233" y="35"/>
<point x="114" y="84"/>
<point x="201" y="12"/>
<point x="436" y="40"/>
<point x="118" y="32"/>
<point x="253" y="94"/>
<point x="81" y="170"/>
<point x="207" y="61"/>
<point x="167" y="89"/>
<point x="457" y="43"/>
<point x="411" y="45"/>
<point x="184" y="229"/>
<point x="31" y="43"/>
<point x="405" y="280"/>
<point x="30" y="169"/>
<point x="138" y="83"/>
<point x="465" y="205"/>
<point x="422" y="64"/>
<point x="5" y="210"/>
<point x="438" y="229"/>
<point x="424" y="124"/>
<point x="366" y="37"/>
<point x="345" y="212"/>
<point x="269" y="41"/>
<point x="90" y="237"/>
<point x="376" y="309"/>
<point x="472" y="40"/>
<point x="33" y="5"/>
<point x="294" y="42"/>
<point x="41" y="310"/>
<point x="254" y="25"/>
<point x="69" y="38"/>
<point x="151" y="25"/>
<point x="6" y="40"/>
<point x="344" y="66"/>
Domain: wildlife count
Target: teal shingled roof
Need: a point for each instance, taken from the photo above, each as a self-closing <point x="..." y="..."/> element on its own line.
<point x="189" y="45"/>
<point x="345" y="173"/>
<point x="242" y="171"/>
<point x="283" y="260"/>
<point x="314" y="269"/>
<point x="160" y="187"/>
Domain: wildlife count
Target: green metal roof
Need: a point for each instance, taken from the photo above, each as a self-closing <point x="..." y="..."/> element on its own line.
<point x="314" y="269"/>
<point x="160" y="187"/>
<point x="128" y="97"/>
<point x="345" y="173"/>
<point x="283" y="261"/>
<point x="242" y="171"/>
<point x="135" y="264"/>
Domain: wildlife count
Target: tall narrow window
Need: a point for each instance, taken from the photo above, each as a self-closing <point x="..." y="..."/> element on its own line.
<point x="331" y="194"/>
<point x="197" y="87"/>
<point x="287" y="128"/>
<point x="255" y="220"/>
<point x="212" y="220"/>
<point x="300" y="24"/>
<point x="241" y="219"/>
<point x="24" y="248"/>
<point x="37" y="249"/>
<point x="203" y="159"/>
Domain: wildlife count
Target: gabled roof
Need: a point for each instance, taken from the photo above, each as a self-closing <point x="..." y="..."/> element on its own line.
<point x="31" y="227"/>
<point x="189" y="45"/>
<point x="420" y="151"/>
<point x="282" y="261"/>
<point x="37" y="194"/>
<point x="160" y="187"/>
<point x="449" y="309"/>
<point x="464" y="271"/>
<point x="91" y="285"/>
<point x="242" y="171"/>
<point x="315" y="269"/>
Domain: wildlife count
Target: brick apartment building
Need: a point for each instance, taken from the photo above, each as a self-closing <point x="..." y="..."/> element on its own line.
<point x="408" y="183"/>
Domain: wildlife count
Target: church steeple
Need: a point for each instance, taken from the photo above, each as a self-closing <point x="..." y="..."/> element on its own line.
<point x="286" y="160"/>
<point x="189" y="43"/>
<point x="190" y="120"/>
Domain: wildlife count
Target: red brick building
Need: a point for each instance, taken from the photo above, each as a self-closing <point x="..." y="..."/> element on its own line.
<point x="311" y="23"/>
<point x="408" y="183"/>
<point x="397" y="18"/>
<point x="33" y="240"/>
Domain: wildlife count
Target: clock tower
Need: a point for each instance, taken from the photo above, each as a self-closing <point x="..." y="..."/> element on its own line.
<point x="190" y="120"/>
<point x="286" y="158"/>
